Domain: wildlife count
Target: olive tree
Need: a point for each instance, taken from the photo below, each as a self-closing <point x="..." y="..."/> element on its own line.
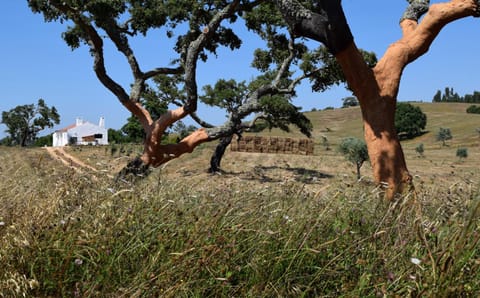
<point x="355" y="151"/>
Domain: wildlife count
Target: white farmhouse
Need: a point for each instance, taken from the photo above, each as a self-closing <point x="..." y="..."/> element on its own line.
<point x="82" y="133"/>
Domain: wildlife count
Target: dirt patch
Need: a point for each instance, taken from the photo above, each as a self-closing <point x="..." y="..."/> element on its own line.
<point x="59" y="153"/>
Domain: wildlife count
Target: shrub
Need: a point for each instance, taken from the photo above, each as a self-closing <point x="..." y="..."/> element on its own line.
<point x="409" y="120"/>
<point x="473" y="109"/>
<point x="443" y="135"/>
<point x="420" y="150"/>
<point x="462" y="153"/>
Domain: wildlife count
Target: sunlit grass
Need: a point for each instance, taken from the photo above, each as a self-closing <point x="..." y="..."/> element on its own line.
<point x="66" y="234"/>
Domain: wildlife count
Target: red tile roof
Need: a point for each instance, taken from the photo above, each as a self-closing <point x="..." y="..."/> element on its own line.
<point x="67" y="128"/>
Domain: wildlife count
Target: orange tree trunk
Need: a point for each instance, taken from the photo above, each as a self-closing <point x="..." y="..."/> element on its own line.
<point x="378" y="105"/>
<point x="377" y="88"/>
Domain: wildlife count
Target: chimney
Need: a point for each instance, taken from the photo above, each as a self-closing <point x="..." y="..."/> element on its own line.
<point x="101" y="123"/>
<point x="78" y="121"/>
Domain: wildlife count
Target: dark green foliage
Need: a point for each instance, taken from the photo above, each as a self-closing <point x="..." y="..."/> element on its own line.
<point x="473" y="109"/>
<point x="444" y="134"/>
<point x="155" y="102"/>
<point x="44" y="141"/>
<point x="350" y="101"/>
<point x="420" y="150"/>
<point x="226" y="94"/>
<point x="275" y="110"/>
<point x="280" y="113"/>
<point x="6" y="141"/>
<point x="133" y="130"/>
<point x="462" y="153"/>
<point x="323" y="69"/>
<point x="410" y="121"/>
<point x="355" y="151"/>
<point x="137" y="17"/>
<point x="26" y="121"/>
<point x="117" y="136"/>
<point x="450" y="96"/>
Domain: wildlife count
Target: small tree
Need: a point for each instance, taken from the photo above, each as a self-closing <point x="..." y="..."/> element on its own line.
<point x="419" y="149"/>
<point x="355" y="151"/>
<point x="325" y="143"/>
<point x="443" y="135"/>
<point x="462" y="153"/>
<point x="350" y="101"/>
<point x="25" y="122"/>
<point x="409" y="120"/>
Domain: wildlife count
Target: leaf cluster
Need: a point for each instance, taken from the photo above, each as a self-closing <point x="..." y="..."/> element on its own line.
<point x="444" y="134"/>
<point x="410" y="121"/>
<point x="354" y="150"/>
<point x="134" y="17"/>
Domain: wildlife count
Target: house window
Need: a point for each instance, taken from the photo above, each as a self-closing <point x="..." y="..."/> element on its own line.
<point x="98" y="136"/>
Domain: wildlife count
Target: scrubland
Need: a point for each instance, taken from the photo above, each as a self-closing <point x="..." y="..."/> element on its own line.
<point x="269" y="226"/>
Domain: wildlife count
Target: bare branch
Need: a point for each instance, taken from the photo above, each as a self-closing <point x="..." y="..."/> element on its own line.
<point x="194" y="50"/>
<point x="162" y="70"/>
<point x="287" y="62"/>
<point x="200" y="121"/>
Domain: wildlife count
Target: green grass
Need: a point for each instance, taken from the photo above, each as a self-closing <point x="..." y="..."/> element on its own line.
<point x="271" y="226"/>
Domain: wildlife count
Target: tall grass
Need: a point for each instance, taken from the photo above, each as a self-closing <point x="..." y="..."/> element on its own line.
<point x="70" y="235"/>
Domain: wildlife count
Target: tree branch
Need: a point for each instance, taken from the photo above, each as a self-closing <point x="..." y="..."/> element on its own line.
<point x="328" y="26"/>
<point x="162" y="70"/>
<point x="194" y="50"/>
<point x="417" y="40"/>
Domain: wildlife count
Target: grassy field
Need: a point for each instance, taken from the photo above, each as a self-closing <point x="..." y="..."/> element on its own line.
<point x="270" y="226"/>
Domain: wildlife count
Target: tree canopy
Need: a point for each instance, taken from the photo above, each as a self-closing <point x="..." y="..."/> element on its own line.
<point x="26" y="121"/>
<point x="201" y="27"/>
<point x="355" y="151"/>
<point x="410" y="121"/>
<point x="449" y="95"/>
<point x="443" y="135"/>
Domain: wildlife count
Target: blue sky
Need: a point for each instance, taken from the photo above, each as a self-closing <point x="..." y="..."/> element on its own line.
<point x="36" y="63"/>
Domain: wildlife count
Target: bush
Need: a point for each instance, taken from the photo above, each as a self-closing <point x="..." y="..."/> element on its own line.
<point x="419" y="149"/>
<point x="410" y="121"/>
<point x="462" y="153"/>
<point x="473" y="109"/>
<point x="350" y="101"/>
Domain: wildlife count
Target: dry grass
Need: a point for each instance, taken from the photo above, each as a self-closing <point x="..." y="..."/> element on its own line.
<point x="271" y="226"/>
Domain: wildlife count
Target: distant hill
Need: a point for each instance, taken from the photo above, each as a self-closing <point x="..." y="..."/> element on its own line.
<point x="339" y="123"/>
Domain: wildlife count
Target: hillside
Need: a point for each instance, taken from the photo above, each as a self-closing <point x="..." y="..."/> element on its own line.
<point x="339" y="123"/>
<point x="440" y="161"/>
<point x="272" y="225"/>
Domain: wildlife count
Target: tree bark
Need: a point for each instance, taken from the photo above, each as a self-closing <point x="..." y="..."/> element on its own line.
<point x="377" y="88"/>
<point x="218" y="154"/>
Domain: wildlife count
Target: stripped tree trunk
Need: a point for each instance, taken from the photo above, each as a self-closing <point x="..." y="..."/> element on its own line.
<point x="377" y="88"/>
